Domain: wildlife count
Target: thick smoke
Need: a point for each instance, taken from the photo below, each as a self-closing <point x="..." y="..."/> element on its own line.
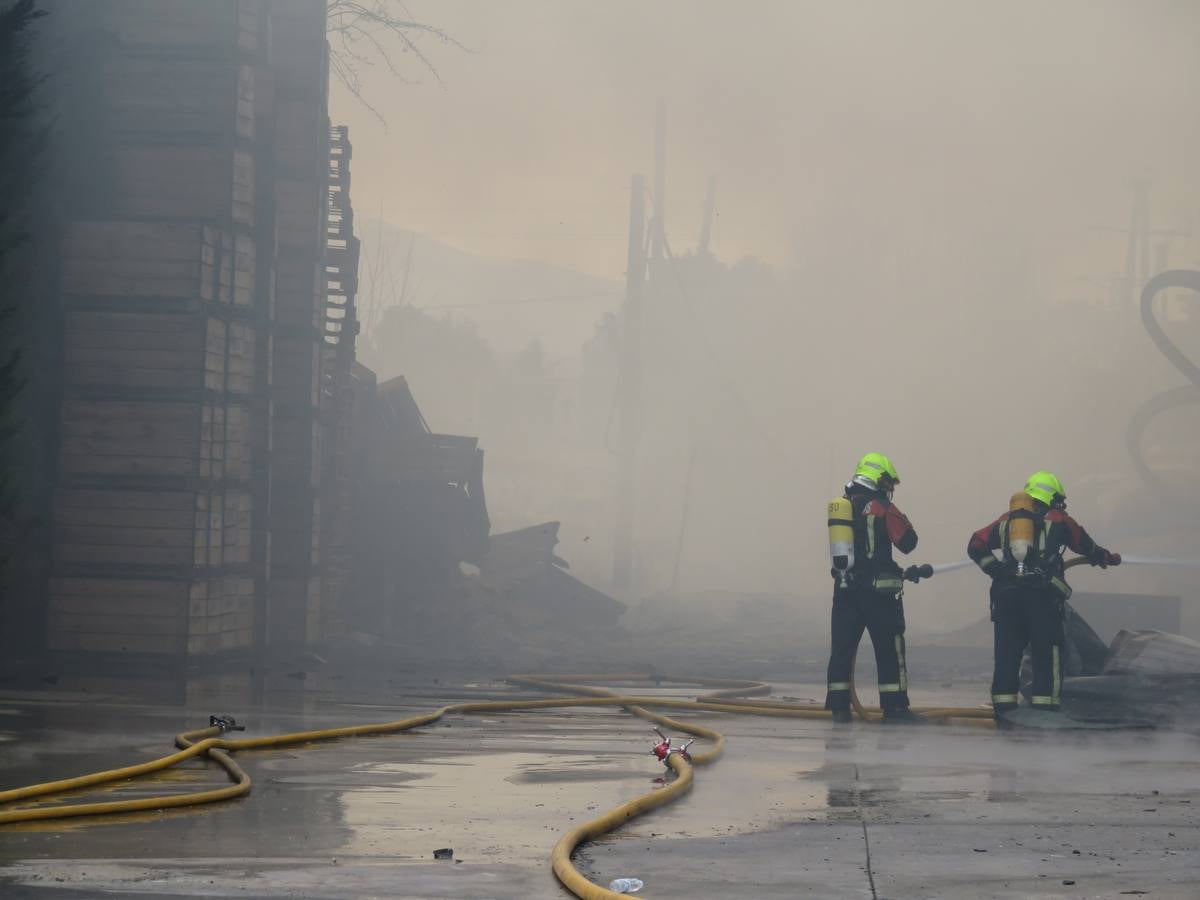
<point x="934" y="200"/>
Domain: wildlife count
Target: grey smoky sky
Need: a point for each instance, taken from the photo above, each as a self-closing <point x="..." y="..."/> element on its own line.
<point x="826" y="123"/>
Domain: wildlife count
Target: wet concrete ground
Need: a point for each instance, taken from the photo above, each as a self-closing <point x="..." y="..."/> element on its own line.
<point x="794" y="808"/>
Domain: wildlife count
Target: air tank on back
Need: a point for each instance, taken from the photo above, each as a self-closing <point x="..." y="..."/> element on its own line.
<point x="1020" y="528"/>
<point x="841" y="537"/>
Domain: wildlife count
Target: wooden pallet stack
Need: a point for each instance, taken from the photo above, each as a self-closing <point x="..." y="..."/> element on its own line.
<point x="346" y="386"/>
<point x="300" y="175"/>
<point x="189" y="451"/>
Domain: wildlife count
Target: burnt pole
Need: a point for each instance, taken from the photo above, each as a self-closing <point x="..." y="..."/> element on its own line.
<point x="658" y="227"/>
<point x="706" y="224"/>
<point x="629" y="388"/>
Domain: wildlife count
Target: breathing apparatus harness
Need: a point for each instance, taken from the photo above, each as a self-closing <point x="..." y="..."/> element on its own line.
<point x="853" y="543"/>
<point x="1024" y="541"/>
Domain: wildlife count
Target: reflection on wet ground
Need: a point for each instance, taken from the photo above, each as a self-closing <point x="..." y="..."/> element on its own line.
<point x="793" y="807"/>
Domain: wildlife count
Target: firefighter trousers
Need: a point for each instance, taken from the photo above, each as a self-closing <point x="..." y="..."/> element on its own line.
<point x="882" y="615"/>
<point x="1026" y="616"/>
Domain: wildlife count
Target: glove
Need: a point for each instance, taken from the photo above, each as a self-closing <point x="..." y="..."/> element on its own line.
<point x="916" y="573"/>
<point x="993" y="571"/>
<point x="1103" y="558"/>
<point x="1112" y="559"/>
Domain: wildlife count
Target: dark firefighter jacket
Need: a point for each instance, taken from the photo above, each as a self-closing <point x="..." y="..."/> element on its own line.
<point x="879" y="525"/>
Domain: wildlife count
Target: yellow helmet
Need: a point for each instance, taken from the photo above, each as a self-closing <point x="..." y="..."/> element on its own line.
<point x="872" y="467"/>
<point x="1045" y="487"/>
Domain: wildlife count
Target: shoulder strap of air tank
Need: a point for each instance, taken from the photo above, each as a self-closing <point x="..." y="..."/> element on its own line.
<point x="1043" y="534"/>
<point x="858" y="504"/>
<point x="865" y="519"/>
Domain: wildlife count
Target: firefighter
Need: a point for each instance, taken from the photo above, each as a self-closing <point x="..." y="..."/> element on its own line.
<point x="868" y="588"/>
<point x="1028" y="591"/>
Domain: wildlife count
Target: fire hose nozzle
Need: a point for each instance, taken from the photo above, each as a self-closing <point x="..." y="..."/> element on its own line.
<point x="916" y="573"/>
<point x="225" y="723"/>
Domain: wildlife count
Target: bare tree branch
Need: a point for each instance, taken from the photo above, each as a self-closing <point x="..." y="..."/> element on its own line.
<point x="363" y="32"/>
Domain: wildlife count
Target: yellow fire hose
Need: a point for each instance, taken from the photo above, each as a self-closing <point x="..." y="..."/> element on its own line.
<point x="729" y="697"/>
<point x="209" y="742"/>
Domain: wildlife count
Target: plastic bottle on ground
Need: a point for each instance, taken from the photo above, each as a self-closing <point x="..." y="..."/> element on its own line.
<point x="625" y="885"/>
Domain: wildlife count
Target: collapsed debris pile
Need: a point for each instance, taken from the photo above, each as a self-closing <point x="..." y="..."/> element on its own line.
<point x="430" y="583"/>
<point x="517" y="609"/>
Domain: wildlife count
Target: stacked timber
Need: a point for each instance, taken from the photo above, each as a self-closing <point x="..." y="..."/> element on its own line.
<point x="346" y="388"/>
<point x="206" y="283"/>
<point x="299" y="180"/>
<point x="162" y="304"/>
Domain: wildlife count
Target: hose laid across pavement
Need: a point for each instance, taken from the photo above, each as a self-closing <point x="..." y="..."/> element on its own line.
<point x="730" y="697"/>
<point x="211" y="743"/>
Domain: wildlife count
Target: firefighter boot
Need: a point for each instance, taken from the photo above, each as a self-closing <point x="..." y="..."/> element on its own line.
<point x="902" y="716"/>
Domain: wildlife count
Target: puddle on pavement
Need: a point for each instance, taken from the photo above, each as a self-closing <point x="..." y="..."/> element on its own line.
<point x="494" y="805"/>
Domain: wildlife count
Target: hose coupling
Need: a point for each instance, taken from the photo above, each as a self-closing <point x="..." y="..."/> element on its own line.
<point x="225" y="723"/>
